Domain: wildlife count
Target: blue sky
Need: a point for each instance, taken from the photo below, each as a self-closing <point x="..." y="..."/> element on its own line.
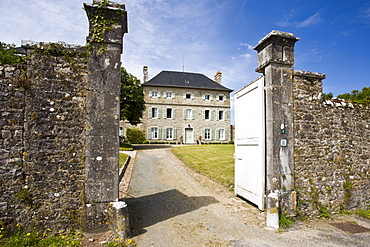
<point x="205" y="36"/>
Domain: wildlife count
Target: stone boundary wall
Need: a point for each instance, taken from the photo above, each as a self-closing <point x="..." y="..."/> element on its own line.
<point x="331" y="149"/>
<point x="42" y="145"/>
<point x="59" y="122"/>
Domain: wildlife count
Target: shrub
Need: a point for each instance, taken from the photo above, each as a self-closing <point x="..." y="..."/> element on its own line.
<point x="10" y="55"/>
<point x="135" y="136"/>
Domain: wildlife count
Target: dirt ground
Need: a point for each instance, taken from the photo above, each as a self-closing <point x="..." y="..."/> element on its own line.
<point x="171" y="205"/>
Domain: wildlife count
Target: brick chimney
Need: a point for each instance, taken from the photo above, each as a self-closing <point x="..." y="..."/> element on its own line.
<point x="218" y="77"/>
<point x="145" y="73"/>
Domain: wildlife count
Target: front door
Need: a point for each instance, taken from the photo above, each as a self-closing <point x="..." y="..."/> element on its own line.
<point x="250" y="143"/>
<point x="189" y="136"/>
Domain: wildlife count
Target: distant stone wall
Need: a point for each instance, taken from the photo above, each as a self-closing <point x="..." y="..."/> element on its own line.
<point x="331" y="149"/>
<point x="42" y="152"/>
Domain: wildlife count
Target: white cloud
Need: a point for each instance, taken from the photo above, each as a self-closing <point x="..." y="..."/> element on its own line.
<point x="312" y="20"/>
<point x="41" y="20"/>
<point x="287" y="20"/>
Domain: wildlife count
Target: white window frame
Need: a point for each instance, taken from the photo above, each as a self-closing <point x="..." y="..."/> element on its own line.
<point x="188" y="114"/>
<point x="191" y="96"/>
<point x="154" y="133"/>
<point x="207" y="134"/>
<point x="154" y="112"/>
<point x="169" y="95"/>
<point x="221" y="134"/>
<point x="155" y="94"/>
<point x="205" y="114"/>
<point x="169" y="133"/>
<point x="167" y="109"/>
<point x="223" y="97"/>
<point x="221" y="115"/>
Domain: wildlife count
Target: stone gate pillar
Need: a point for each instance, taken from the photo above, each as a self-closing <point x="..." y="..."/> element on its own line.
<point x="275" y="61"/>
<point x="107" y="25"/>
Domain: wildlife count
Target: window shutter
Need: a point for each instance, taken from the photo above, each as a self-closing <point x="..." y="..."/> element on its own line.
<point x="164" y="134"/>
<point x="174" y="133"/>
<point x="184" y="96"/>
<point x="159" y="112"/>
<point x="148" y="133"/>
<point x="173" y="95"/>
<point x="211" y="97"/>
<point x="227" y="116"/>
<point x="217" y="115"/>
<point x="211" y="113"/>
<point x="164" y="112"/>
<point x="173" y="113"/>
<point x="212" y="134"/>
<point x="192" y="114"/>
<point x="203" y="134"/>
<point x="226" y="135"/>
<point x="150" y="94"/>
<point x="203" y="114"/>
<point x="204" y="97"/>
<point x="184" y="111"/>
<point x="158" y="94"/>
<point x="159" y="133"/>
<point x="150" y="112"/>
<point x="192" y="96"/>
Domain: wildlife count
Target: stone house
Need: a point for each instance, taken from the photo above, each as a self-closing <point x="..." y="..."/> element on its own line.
<point x="185" y="107"/>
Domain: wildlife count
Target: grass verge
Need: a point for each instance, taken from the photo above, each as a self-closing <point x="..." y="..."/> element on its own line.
<point x="17" y="237"/>
<point x="214" y="161"/>
<point x="122" y="159"/>
<point x="362" y="212"/>
<point x="126" y="147"/>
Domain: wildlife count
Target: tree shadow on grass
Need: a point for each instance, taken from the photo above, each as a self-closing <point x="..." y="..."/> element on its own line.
<point x="148" y="210"/>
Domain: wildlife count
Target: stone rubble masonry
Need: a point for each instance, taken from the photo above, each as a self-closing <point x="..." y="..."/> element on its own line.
<point x="331" y="149"/>
<point x="42" y="150"/>
<point x="59" y="116"/>
<point x="325" y="166"/>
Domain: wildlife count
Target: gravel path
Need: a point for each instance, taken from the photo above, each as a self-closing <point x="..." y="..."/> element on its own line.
<point x="170" y="205"/>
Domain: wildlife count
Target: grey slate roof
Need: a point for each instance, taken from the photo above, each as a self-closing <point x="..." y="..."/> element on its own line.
<point x="184" y="79"/>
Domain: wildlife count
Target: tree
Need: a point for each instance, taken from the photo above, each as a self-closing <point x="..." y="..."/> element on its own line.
<point x="132" y="98"/>
<point x="328" y="95"/>
<point x="10" y="55"/>
<point x="356" y="96"/>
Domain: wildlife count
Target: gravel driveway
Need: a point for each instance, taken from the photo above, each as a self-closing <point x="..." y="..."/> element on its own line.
<point x="170" y="205"/>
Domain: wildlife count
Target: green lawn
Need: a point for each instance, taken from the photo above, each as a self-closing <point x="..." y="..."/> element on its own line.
<point x="215" y="161"/>
<point x="122" y="159"/>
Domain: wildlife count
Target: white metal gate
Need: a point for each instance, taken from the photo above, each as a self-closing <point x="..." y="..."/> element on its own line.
<point x="250" y="143"/>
